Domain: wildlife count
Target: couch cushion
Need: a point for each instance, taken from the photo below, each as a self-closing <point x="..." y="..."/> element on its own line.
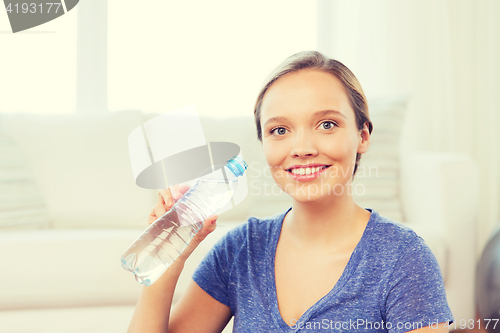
<point x="82" y="168"/>
<point x="377" y="181"/>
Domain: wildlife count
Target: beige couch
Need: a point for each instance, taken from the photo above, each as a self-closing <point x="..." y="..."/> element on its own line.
<point x="72" y="208"/>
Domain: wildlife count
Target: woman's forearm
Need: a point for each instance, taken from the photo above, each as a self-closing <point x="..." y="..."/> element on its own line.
<point x="152" y="311"/>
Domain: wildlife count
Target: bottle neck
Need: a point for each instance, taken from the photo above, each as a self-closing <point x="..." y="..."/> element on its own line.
<point x="237" y="166"/>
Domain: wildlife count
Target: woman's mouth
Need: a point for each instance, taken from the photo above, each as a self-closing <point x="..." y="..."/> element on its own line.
<point x="306" y="173"/>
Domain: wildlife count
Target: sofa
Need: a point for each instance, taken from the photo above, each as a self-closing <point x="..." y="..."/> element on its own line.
<point x="70" y="207"/>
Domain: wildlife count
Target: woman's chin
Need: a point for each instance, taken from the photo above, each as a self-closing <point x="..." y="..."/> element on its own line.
<point x="309" y="198"/>
<point x="316" y="190"/>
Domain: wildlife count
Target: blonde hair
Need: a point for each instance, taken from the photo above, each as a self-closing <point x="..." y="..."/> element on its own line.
<point x="316" y="60"/>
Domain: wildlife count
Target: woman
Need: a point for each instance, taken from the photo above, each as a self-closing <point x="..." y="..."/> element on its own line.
<point x="326" y="264"/>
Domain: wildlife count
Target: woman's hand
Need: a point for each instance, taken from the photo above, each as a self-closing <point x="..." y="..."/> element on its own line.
<point x="166" y="199"/>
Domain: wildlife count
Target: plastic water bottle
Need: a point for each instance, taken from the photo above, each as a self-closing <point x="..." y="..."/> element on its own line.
<point x="165" y="239"/>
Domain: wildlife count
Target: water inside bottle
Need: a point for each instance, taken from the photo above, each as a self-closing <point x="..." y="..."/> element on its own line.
<point x="158" y="248"/>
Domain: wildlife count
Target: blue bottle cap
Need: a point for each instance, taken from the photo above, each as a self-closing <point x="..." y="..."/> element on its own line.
<point x="237" y="165"/>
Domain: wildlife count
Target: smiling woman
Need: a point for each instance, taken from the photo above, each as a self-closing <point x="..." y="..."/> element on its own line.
<point x="325" y="263"/>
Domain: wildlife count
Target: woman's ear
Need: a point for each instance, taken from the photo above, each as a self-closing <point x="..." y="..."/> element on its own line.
<point x="364" y="139"/>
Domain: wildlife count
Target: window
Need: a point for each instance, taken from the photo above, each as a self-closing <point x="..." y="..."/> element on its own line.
<point x="215" y="54"/>
<point x="38" y="66"/>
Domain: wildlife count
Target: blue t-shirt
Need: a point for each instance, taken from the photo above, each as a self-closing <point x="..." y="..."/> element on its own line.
<point x="392" y="282"/>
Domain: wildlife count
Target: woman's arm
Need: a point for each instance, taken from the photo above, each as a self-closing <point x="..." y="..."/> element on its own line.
<point x="152" y="311"/>
<point x="197" y="309"/>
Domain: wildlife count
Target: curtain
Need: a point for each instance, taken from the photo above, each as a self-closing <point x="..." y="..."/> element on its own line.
<point x="445" y="55"/>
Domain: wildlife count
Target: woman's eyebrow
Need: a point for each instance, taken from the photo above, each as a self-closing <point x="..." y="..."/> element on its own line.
<point x="316" y="114"/>
<point x="328" y="112"/>
<point x="275" y="119"/>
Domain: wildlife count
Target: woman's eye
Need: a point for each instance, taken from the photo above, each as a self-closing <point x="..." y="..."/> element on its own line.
<point x="328" y="124"/>
<point x="278" y="130"/>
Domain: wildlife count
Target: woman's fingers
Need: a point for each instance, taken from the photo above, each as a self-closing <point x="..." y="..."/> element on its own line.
<point x="166" y="199"/>
<point x="162" y="206"/>
<point x="209" y="225"/>
<point x="170" y="195"/>
<point x="160" y="209"/>
<point x="157" y="211"/>
<point x="178" y="191"/>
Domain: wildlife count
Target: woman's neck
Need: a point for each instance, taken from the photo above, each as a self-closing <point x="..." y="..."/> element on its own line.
<point x="333" y="223"/>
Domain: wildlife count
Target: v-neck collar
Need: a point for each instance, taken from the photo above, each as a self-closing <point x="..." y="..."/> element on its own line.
<point x="348" y="270"/>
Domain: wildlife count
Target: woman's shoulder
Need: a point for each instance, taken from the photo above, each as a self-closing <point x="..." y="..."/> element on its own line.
<point x="394" y="228"/>
<point x="248" y="239"/>
<point x="391" y="236"/>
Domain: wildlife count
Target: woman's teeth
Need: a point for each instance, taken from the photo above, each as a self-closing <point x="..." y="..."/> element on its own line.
<point x="306" y="171"/>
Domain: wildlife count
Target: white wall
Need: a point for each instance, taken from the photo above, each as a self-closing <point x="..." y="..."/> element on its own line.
<point x="444" y="53"/>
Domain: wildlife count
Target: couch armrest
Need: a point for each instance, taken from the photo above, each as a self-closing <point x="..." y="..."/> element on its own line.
<point x="439" y="193"/>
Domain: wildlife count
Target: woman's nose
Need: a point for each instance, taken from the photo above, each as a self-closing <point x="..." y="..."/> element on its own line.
<point x="303" y="146"/>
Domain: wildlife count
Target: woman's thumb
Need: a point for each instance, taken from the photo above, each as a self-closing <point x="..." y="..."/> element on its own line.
<point x="209" y="225"/>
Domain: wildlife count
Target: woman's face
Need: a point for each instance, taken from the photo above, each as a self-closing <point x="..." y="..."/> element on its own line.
<point x="307" y="120"/>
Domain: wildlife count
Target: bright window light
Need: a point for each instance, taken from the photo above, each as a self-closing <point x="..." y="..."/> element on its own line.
<point x="163" y="55"/>
<point x="38" y="66"/>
